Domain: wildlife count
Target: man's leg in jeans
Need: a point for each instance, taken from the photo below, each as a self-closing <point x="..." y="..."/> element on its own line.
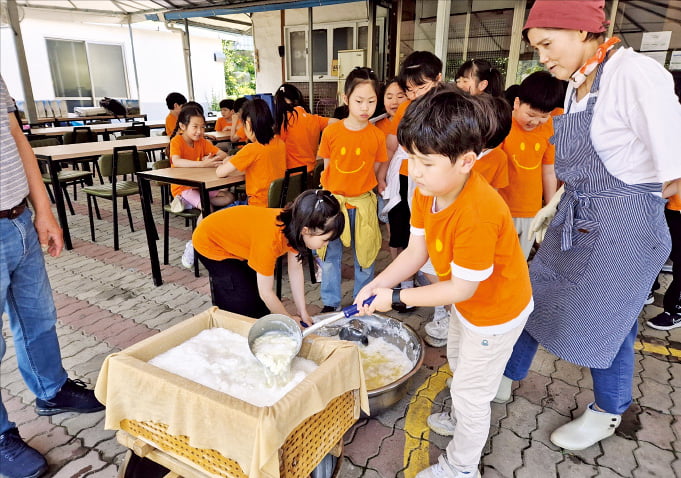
<point x="27" y="299"/>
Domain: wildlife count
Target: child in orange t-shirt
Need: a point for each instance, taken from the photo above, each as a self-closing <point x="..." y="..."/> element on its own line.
<point x="190" y="149"/>
<point x="462" y="224"/>
<point x="224" y="123"/>
<point x="353" y="150"/>
<point x="238" y="134"/>
<point x="492" y="164"/>
<point x="531" y="156"/>
<point x="240" y="246"/>
<point x="263" y="160"/>
<point x="299" y="129"/>
<point x="174" y="102"/>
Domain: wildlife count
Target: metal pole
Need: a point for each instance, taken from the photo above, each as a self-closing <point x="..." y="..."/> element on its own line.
<point x="613" y="17"/>
<point x="29" y="100"/>
<point x="467" y="30"/>
<point x="309" y="58"/>
<point x="371" y="31"/>
<point x="516" y="39"/>
<point x="442" y="32"/>
<point x="134" y="59"/>
<point x="188" y="60"/>
<point x="398" y="37"/>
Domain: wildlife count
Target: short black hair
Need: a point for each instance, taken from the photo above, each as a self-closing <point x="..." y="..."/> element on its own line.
<point x="239" y="103"/>
<point x="511" y="94"/>
<point x="418" y="68"/>
<point x="447" y="121"/>
<point x="175" y="98"/>
<point x="502" y="120"/>
<point x="227" y="104"/>
<point x="541" y="91"/>
<point x="262" y="122"/>
<point x="316" y="209"/>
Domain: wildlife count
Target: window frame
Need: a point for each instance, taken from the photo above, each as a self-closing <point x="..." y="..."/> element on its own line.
<point x="93" y="98"/>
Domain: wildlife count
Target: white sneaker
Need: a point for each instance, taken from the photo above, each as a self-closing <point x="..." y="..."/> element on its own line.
<point x="177" y="205"/>
<point x="505" y="389"/>
<point x="667" y="267"/>
<point x="442" y="469"/>
<point x="438" y="328"/>
<point x="188" y="255"/>
<point x="442" y="424"/>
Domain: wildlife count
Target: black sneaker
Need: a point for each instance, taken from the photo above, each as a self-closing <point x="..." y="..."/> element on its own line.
<point x="329" y="308"/>
<point x="650" y="299"/>
<point x="17" y="459"/>
<point x="665" y="321"/>
<point x="74" y="396"/>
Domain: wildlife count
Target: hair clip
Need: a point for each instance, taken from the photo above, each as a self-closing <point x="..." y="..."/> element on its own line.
<point x="413" y="67"/>
<point x="282" y="89"/>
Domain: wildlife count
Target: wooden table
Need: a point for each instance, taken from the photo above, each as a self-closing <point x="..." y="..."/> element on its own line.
<point x="85" y="119"/>
<point x="217" y="136"/>
<point x="204" y="179"/>
<point x="54" y="155"/>
<point x="104" y="129"/>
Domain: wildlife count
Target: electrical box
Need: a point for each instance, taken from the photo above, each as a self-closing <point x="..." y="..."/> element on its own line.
<point x="347" y="61"/>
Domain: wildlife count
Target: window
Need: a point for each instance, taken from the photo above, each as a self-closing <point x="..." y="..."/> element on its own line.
<point x="83" y="73"/>
<point x="327" y="39"/>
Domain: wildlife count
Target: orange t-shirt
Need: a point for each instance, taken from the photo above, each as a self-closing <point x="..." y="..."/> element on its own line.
<point x="179" y="147"/>
<point x="385" y="125"/>
<point x="352" y="155"/>
<point x="171" y="122"/>
<point x="302" y="138"/>
<point x="527" y="152"/>
<point x="474" y="239"/>
<point x="243" y="232"/>
<point x="674" y="203"/>
<point x="261" y="164"/>
<point x="223" y="124"/>
<point x="494" y="168"/>
<point x="557" y="111"/>
<point x="399" y="114"/>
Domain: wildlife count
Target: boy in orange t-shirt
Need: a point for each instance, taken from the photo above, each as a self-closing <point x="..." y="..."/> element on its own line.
<point x="462" y="224"/>
<point x="492" y="164"/>
<point x="174" y="102"/>
<point x="531" y="156"/>
<point x="263" y="160"/>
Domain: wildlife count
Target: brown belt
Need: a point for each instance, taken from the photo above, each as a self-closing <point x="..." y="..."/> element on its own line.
<point x="15" y="212"/>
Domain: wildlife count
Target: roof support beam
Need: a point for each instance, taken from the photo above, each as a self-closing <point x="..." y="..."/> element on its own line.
<point x="13" y="14"/>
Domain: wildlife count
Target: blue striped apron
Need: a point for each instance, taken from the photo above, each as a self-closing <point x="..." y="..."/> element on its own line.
<point x="601" y="253"/>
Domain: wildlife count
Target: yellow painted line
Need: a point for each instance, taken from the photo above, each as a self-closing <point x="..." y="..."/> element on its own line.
<point x="656" y="349"/>
<point x="416" y="429"/>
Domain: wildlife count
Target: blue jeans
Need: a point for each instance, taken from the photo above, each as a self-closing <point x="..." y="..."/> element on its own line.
<point x="612" y="385"/>
<point x="26" y="296"/>
<point x="331" y="269"/>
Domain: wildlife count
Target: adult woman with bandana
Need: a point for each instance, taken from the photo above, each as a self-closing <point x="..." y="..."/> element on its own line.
<point x="617" y="149"/>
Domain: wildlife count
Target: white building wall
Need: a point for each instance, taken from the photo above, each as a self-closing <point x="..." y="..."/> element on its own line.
<point x="159" y="56"/>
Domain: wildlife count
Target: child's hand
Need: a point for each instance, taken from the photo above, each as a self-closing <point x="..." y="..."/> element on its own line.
<point x="212" y="161"/>
<point x="381" y="186"/>
<point x="383" y="301"/>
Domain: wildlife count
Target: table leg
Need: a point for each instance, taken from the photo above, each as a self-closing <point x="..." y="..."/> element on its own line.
<point x="205" y="201"/>
<point x="150" y="228"/>
<point x="53" y="169"/>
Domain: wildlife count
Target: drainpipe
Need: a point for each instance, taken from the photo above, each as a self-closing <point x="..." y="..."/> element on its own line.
<point x="29" y="100"/>
<point x="187" y="54"/>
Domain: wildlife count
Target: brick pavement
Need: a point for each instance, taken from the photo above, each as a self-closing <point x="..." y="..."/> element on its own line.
<point x="106" y="301"/>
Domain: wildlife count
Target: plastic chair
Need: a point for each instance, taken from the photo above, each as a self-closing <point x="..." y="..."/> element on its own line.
<point x="281" y="192"/>
<point x="64" y="176"/>
<point x="83" y="134"/>
<point x="189" y="215"/>
<point x="124" y="160"/>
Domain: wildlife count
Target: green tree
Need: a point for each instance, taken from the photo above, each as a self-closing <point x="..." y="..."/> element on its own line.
<point x="239" y="70"/>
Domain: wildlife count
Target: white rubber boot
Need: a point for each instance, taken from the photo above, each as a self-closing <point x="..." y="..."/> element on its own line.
<point x="586" y="430"/>
<point x="504" y="392"/>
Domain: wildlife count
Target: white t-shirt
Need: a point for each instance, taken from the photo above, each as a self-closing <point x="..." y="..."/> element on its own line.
<point x="636" y="128"/>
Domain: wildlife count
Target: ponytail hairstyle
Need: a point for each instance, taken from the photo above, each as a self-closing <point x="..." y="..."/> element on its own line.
<point x="316" y="209"/>
<point x="286" y="99"/>
<point x="189" y="110"/>
<point x="262" y="122"/>
<point x="482" y="70"/>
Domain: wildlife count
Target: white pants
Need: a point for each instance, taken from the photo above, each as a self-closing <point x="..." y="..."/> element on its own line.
<point x="477" y="362"/>
<point x="522" y="226"/>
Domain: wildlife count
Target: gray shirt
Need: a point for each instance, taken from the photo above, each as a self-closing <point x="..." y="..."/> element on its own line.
<point x="13" y="183"/>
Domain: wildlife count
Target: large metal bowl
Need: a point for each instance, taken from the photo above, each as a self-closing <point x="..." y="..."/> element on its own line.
<point x="392" y="331"/>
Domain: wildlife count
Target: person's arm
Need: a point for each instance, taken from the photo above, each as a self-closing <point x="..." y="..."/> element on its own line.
<point x="268" y="295"/>
<point x="441" y="293"/>
<point x="212" y="160"/>
<point x="406" y="264"/>
<point x="235" y="126"/>
<point x="549" y="182"/>
<point x="49" y="232"/>
<point x="381" y="171"/>
<point x="391" y="145"/>
<point x="227" y="168"/>
<point x="296" y="278"/>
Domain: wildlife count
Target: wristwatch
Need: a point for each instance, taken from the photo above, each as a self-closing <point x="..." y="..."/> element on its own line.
<point x="397" y="304"/>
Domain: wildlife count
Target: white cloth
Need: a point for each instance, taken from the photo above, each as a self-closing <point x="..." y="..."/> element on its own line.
<point x="637" y="119"/>
<point x="477" y="361"/>
<point x="391" y="194"/>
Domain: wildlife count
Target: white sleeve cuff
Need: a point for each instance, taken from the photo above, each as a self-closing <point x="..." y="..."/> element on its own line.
<point x="471" y="274"/>
<point x="417" y="231"/>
